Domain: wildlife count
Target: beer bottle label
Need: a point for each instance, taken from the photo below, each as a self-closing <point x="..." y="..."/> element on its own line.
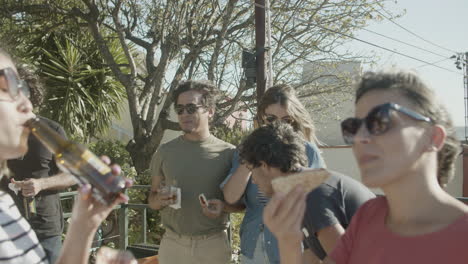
<point x="95" y="162"/>
<point x="32" y="206"/>
<point x="29" y="207"/>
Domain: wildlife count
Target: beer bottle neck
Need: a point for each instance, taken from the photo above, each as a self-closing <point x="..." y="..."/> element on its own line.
<point x="48" y="136"/>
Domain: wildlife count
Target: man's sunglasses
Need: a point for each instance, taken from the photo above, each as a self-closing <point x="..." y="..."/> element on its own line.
<point x="377" y="122"/>
<point x="190" y="108"/>
<point x="14" y="84"/>
<point x="272" y="118"/>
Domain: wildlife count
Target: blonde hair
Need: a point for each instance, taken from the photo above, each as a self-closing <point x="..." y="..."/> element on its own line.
<point x="285" y="95"/>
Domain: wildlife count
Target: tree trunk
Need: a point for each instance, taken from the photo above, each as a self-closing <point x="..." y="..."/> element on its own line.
<point x="141" y="156"/>
<point x="142" y="149"/>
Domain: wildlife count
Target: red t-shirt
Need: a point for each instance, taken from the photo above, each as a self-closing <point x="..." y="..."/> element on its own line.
<point x="368" y="240"/>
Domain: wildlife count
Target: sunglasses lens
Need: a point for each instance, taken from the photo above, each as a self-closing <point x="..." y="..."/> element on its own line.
<point x="349" y="128"/>
<point x="270" y="119"/>
<point x="378" y="121"/>
<point x="24" y="89"/>
<point x="179" y="109"/>
<point x="288" y="121"/>
<point x="12" y="82"/>
<point x="191" y="108"/>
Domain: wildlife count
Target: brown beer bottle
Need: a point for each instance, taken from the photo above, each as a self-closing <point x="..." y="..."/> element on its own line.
<point x="29" y="204"/>
<point x="80" y="162"/>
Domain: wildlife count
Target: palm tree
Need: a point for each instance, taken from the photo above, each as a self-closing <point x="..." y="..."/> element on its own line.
<point x="82" y="94"/>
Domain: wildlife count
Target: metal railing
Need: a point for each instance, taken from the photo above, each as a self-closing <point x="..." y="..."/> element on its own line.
<point x="123" y="220"/>
<point x="123" y="215"/>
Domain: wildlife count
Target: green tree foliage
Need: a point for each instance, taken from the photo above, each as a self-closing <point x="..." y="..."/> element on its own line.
<point x="115" y="150"/>
<point x="82" y="94"/>
<point x="233" y="135"/>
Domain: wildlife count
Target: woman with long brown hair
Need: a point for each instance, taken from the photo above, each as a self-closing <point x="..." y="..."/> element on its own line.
<point x="279" y="103"/>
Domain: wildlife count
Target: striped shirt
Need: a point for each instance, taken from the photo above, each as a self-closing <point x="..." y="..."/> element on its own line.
<point x="262" y="199"/>
<point x="18" y="242"/>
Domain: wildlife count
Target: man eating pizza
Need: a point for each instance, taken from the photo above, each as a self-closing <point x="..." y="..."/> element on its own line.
<point x="275" y="151"/>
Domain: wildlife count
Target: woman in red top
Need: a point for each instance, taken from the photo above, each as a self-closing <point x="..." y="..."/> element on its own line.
<point x="404" y="143"/>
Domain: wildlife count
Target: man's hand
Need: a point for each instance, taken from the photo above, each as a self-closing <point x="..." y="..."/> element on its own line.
<point x="29" y="187"/>
<point x="283" y="215"/>
<point x="166" y="196"/>
<point x="213" y="209"/>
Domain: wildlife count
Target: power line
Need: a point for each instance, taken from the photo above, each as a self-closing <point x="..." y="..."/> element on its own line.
<point x="397" y="40"/>
<point x="451" y="51"/>
<point x="435" y="62"/>
<point x="412" y="33"/>
<point x="387" y="49"/>
<point x="380" y="47"/>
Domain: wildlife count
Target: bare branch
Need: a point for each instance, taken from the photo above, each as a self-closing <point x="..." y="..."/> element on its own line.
<point x="219" y="42"/>
<point x="121" y="34"/>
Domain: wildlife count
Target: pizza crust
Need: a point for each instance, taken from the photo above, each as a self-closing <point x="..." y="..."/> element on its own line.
<point x="308" y="179"/>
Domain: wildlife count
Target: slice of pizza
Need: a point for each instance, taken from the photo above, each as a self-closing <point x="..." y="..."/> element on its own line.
<point x="309" y="179"/>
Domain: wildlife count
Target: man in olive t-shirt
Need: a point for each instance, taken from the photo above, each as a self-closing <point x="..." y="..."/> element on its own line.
<point x="195" y="162"/>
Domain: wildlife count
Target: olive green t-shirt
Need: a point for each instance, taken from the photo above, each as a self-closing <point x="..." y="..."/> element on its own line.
<point x="196" y="167"/>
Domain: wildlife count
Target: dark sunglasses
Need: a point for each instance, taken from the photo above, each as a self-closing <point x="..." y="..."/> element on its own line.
<point x="272" y="118"/>
<point x="14" y="84"/>
<point x="190" y="108"/>
<point x="377" y="122"/>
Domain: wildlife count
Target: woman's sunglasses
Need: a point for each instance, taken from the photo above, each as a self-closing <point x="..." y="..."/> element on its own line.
<point x="15" y="85"/>
<point x="377" y="122"/>
<point x="272" y="118"/>
<point x="190" y="108"/>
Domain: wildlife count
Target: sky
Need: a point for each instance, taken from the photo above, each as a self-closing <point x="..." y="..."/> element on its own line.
<point x="443" y="23"/>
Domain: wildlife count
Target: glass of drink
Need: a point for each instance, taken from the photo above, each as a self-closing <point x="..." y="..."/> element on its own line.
<point x="170" y="191"/>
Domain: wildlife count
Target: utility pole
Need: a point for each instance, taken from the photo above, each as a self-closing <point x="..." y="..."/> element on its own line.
<point x="464" y="65"/>
<point x="260" y="47"/>
<point x="268" y="43"/>
<point x="465" y="84"/>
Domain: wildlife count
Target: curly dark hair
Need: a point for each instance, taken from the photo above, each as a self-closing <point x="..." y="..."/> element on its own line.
<point x="28" y="73"/>
<point x="206" y="88"/>
<point x="36" y="87"/>
<point x="410" y="86"/>
<point x="276" y="144"/>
